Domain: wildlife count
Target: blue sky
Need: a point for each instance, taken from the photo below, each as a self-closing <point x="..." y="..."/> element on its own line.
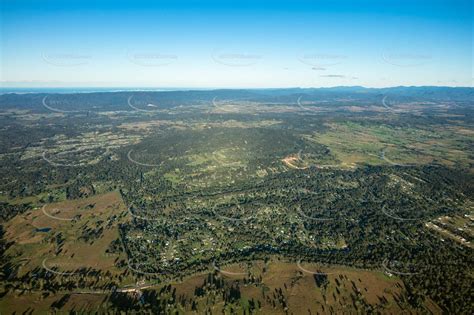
<point x="210" y="44"/>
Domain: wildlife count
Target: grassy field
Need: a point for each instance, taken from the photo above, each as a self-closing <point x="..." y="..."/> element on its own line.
<point x="35" y="234"/>
<point x="37" y="303"/>
<point x="355" y="143"/>
<point x="346" y="289"/>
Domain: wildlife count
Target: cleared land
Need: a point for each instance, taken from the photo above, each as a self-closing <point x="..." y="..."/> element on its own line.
<point x="355" y="143"/>
<point x="68" y="235"/>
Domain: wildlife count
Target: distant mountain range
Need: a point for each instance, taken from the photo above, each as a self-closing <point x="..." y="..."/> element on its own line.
<point x="111" y="99"/>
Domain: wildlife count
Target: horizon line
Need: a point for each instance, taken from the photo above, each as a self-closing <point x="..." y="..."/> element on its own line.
<point x="184" y="88"/>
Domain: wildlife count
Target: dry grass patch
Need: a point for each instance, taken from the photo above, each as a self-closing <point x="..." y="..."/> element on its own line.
<point x="85" y="228"/>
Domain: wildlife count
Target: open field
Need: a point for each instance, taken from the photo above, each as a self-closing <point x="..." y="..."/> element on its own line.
<point x="61" y="236"/>
<point x="377" y="144"/>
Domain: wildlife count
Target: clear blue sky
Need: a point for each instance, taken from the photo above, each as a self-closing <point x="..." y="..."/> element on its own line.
<point x="236" y="43"/>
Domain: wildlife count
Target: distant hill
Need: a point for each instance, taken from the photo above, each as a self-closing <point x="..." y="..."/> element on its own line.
<point x="109" y="101"/>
